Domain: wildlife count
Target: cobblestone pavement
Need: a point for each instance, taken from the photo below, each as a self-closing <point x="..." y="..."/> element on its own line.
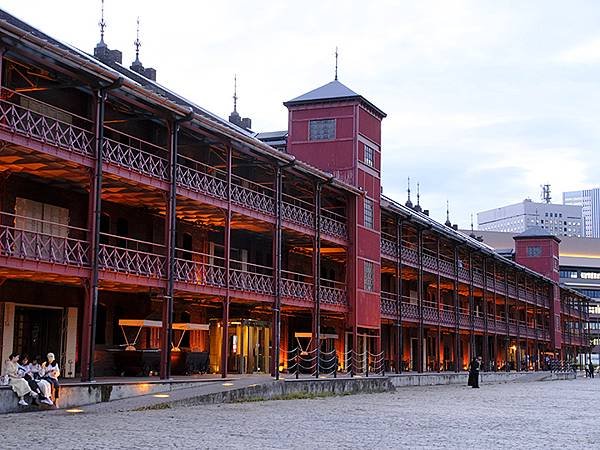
<point x="559" y="414"/>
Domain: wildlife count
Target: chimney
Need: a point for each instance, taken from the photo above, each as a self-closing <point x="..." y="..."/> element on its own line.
<point x="426" y="212"/>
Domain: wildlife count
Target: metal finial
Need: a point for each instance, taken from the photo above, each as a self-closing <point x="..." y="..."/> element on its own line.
<point x="102" y="23"/>
<point x="336" y="63"/>
<point x="137" y="42"/>
<point x="471" y="222"/>
<point x="408" y="189"/>
<point x="418" y="194"/>
<point x="235" y="93"/>
<point x="448" y="223"/>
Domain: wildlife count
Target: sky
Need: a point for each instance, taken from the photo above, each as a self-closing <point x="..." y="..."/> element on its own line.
<point x="486" y="100"/>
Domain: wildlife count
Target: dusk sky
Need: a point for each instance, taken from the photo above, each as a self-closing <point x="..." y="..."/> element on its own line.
<point x="486" y="100"/>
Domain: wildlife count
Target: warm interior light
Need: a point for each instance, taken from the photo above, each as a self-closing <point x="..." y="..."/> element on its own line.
<point x="227" y="384"/>
<point x="161" y="395"/>
<point x="74" y="410"/>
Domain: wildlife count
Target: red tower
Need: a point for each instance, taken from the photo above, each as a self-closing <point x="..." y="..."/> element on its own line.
<point x="339" y="131"/>
<point x="537" y="249"/>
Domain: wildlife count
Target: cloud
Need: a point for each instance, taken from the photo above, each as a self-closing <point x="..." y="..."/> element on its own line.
<point x="587" y="52"/>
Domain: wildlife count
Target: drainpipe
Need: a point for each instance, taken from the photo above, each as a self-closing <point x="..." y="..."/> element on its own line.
<point x="101" y="94"/>
<point x="167" y="322"/>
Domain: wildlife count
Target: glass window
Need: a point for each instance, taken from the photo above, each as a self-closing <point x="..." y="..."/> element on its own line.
<point x="321" y="130"/>
<point x="369" y="213"/>
<point x="369" y="156"/>
<point x="369" y="276"/>
<point x="534" y="251"/>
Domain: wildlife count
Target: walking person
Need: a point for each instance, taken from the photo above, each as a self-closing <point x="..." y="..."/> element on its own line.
<point x="474" y="368"/>
<point x="591" y="369"/>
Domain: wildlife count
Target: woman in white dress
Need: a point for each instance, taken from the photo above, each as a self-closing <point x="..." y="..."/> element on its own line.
<point x="16" y="381"/>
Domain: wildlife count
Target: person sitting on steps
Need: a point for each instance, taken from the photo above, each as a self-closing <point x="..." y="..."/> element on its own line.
<point x="24" y="370"/>
<point x="50" y="373"/>
<point x="18" y="384"/>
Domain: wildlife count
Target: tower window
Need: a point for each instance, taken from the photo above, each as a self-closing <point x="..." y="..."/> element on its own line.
<point x="369" y="213"/>
<point x="534" y="251"/>
<point x="321" y="130"/>
<point x="369" y="156"/>
<point x="369" y="276"/>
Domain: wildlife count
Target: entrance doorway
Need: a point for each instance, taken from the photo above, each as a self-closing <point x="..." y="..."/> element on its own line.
<point x="249" y="346"/>
<point x="38" y="331"/>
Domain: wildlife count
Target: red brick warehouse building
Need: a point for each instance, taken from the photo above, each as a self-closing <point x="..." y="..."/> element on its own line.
<point x="122" y="203"/>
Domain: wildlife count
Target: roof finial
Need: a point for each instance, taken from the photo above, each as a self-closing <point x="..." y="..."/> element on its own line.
<point x="448" y="223"/>
<point x="235" y="93"/>
<point x="137" y="42"/>
<point x="336" y="62"/>
<point x="471" y="222"/>
<point x="418" y="205"/>
<point x="102" y="23"/>
<point x="408" y="202"/>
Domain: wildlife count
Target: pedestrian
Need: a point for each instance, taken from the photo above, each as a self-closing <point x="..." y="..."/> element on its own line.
<point x="591" y="369"/>
<point x="474" y="368"/>
<point x="16" y="381"/>
<point x="51" y="372"/>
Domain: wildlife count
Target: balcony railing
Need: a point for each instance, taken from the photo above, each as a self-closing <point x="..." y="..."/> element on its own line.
<point x="333" y="292"/>
<point x="38" y="240"/>
<point x="333" y="224"/>
<point x="297" y="285"/>
<point x="25" y="116"/>
<point x="131" y="256"/>
<point x="252" y="195"/>
<point x="249" y="277"/>
<point x="388" y="248"/>
<point x="199" y="269"/>
<point x="135" y="154"/>
<point x="297" y="211"/>
<point x="389" y="304"/>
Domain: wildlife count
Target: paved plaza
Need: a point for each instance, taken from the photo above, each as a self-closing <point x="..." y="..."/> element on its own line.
<point x="559" y="414"/>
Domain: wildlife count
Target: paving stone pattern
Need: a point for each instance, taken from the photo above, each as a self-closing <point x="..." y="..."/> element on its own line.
<point x="558" y="414"/>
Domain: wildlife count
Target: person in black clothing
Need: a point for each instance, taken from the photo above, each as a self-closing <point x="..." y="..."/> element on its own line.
<point x="591" y="369"/>
<point x="474" y="368"/>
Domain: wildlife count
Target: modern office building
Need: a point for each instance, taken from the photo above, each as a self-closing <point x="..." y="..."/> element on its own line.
<point x="124" y="205"/>
<point x="559" y="220"/>
<point x="589" y="200"/>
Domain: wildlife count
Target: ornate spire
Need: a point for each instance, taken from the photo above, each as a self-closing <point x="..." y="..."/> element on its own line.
<point x="336" y="63"/>
<point x="102" y="25"/>
<point x="235" y="93"/>
<point x="418" y="205"/>
<point x="472" y="230"/>
<point x="448" y="223"/>
<point x="408" y="202"/>
<point x="137" y="42"/>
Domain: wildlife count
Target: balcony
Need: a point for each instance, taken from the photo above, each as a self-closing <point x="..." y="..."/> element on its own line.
<point x="33" y="239"/>
<point x="333" y="292"/>
<point x="22" y="115"/>
<point x="131" y="256"/>
<point x="135" y="154"/>
<point x="46" y="124"/>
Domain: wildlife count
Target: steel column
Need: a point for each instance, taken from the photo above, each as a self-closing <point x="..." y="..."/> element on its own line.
<point x="277" y="246"/>
<point x="227" y="249"/>
<point x="439" y="306"/>
<point x="398" y="323"/>
<point x="506" y="315"/>
<point x="472" y="352"/>
<point x="456" y="313"/>
<point x="317" y="276"/>
<point x="486" y="343"/>
<point x="420" y="300"/>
